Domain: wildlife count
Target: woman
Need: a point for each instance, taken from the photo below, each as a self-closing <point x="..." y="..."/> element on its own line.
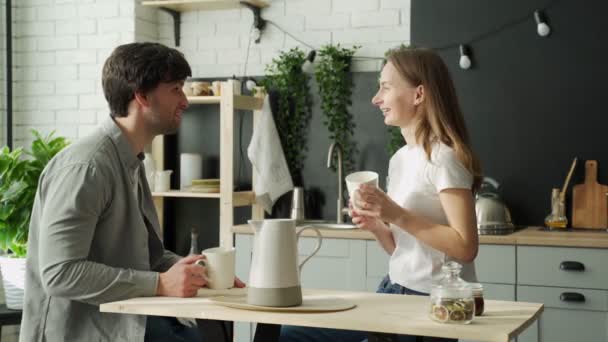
<point x="428" y="215"/>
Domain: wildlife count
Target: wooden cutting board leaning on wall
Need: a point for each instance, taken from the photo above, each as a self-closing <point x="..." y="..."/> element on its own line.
<point x="589" y="203"/>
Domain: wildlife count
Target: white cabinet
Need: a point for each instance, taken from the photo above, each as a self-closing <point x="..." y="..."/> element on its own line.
<point x="376" y="265"/>
<point x="573" y="285"/>
<point x="496" y="264"/>
<point x="337" y="265"/>
<point x="496" y="270"/>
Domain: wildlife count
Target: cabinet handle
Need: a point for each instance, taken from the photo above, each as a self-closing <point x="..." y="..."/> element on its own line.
<point x="572" y="297"/>
<point x="572" y="266"/>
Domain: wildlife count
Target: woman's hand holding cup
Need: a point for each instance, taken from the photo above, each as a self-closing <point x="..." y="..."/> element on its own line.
<point x="375" y="203"/>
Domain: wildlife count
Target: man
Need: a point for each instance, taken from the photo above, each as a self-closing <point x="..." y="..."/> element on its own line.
<point x="94" y="230"/>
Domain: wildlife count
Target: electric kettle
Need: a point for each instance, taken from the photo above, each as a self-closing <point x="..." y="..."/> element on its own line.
<point x="274" y="277"/>
<point x="493" y="216"/>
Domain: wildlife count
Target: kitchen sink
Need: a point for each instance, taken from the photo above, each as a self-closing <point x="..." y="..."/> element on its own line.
<point x="325" y="224"/>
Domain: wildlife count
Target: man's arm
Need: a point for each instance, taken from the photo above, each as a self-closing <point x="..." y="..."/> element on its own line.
<point x="165" y="262"/>
<point x="72" y="200"/>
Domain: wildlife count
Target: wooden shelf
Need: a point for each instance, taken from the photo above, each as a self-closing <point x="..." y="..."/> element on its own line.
<point x="240" y="198"/>
<point x="229" y="101"/>
<point x="242" y="102"/>
<point x="204" y="99"/>
<point x="198" y="5"/>
<point x="180" y="193"/>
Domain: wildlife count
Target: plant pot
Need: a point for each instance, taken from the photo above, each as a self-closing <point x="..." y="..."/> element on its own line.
<point x="13" y="279"/>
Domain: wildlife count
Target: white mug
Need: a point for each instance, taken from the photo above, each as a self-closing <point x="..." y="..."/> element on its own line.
<point x="162" y="180"/>
<point x="220" y="267"/>
<point x="354" y="181"/>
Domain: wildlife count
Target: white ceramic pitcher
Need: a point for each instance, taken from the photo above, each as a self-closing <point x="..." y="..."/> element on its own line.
<point x="274" y="277"/>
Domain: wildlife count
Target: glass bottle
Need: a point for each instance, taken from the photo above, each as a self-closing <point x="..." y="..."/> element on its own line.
<point x="452" y="297"/>
<point x="557" y="218"/>
<point x="193" y="241"/>
<point x="477" y="290"/>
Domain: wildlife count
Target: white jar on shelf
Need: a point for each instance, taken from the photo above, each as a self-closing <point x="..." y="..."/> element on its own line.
<point x="190" y="167"/>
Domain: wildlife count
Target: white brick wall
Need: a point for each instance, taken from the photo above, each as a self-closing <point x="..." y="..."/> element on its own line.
<point x="376" y="25"/>
<point x="60" y="47"/>
<point x="59" y="50"/>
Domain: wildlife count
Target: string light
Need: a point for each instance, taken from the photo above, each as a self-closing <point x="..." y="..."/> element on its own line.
<point x="465" y="60"/>
<point x="541" y="24"/>
<point x="310" y="58"/>
<point x="256" y="34"/>
<point x="250" y="84"/>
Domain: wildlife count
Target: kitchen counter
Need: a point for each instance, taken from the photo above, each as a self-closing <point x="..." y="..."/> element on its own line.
<point x="375" y="312"/>
<point x="535" y="236"/>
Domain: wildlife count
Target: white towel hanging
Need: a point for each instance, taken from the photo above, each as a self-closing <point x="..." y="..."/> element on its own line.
<point x="266" y="155"/>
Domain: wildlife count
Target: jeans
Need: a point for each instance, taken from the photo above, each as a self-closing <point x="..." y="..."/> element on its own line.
<point x="168" y="329"/>
<point x="291" y="333"/>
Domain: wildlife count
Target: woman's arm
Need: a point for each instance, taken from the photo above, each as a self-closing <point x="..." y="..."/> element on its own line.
<point x="458" y="239"/>
<point x="381" y="231"/>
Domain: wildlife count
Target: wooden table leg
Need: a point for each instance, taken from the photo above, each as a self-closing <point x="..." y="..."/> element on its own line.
<point x="265" y="332"/>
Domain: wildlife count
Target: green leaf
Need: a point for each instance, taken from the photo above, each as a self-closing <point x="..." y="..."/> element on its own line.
<point x="18" y="183"/>
<point x="286" y="78"/>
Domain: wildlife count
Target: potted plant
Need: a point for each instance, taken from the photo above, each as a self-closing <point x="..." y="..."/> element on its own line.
<point x="334" y="79"/>
<point x="18" y="184"/>
<point x="289" y="87"/>
<point x="291" y="102"/>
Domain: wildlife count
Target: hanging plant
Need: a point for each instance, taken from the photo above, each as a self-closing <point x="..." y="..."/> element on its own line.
<point x="395" y="140"/>
<point x="290" y="84"/>
<point x="332" y="73"/>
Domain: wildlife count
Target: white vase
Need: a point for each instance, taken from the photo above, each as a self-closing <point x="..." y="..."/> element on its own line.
<point x="13" y="279"/>
<point x="191" y="167"/>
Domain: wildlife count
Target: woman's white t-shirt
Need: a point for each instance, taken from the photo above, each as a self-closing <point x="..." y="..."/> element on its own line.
<point x="414" y="183"/>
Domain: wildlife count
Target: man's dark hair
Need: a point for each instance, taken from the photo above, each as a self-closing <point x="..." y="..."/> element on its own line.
<point x="139" y="67"/>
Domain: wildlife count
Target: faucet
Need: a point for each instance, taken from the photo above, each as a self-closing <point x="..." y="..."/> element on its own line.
<point x="340" y="202"/>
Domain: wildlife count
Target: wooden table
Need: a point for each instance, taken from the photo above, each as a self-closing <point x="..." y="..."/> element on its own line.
<point x="396" y="314"/>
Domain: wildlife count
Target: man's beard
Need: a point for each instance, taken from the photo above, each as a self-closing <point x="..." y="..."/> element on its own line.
<point x="160" y="127"/>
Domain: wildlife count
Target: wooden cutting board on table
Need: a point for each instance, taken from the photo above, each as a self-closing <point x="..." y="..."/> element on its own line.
<point x="589" y="203"/>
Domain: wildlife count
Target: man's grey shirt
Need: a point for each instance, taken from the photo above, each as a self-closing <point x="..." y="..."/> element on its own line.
<point x="94" y="238"/>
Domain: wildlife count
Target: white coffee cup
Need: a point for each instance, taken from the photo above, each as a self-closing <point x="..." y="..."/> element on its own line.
<point x="162" y="180"/>
<point x="220" y="267"/>
<point x="355" y="180"/>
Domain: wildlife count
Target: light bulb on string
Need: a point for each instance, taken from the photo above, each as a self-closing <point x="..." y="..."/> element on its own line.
<point x="542" y="28"/>
<point x="310" y="58"/>
<point x="250" y="84"/>
<point x="256" y="34"/>
<point x="465" y="59"/>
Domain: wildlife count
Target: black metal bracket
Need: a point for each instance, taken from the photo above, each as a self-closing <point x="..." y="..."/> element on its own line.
<point x="9" y="75"/>
<point x="177" y="20"/>
<point x="258" y="22"/>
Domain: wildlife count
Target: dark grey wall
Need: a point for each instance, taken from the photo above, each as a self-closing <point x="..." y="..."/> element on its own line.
<point x="531" y="104"/>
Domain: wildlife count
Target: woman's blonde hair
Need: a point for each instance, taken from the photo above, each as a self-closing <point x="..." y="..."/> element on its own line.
<point x="442" y="118"/>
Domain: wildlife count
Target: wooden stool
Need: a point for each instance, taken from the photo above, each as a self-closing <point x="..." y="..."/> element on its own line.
<point x="8" y="317"/>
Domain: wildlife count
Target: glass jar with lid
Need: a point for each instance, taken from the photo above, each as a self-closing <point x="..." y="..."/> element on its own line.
<point x="451" y="297"/>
